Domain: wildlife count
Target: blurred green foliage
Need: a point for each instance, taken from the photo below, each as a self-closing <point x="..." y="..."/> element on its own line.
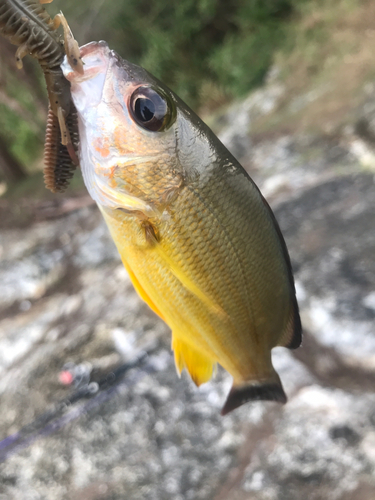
<point x="20" y="122"/>
<point x="22" y="140"/>
<point x="207" y="51"/>
<point x="191" y="43"/>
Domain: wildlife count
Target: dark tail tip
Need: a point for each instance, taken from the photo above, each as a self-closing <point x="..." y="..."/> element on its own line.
<point x="253" y="392"/>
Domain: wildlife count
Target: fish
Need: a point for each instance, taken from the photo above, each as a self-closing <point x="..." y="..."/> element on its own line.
<point x="27" y="24"/>
<point x="200" y="243"/>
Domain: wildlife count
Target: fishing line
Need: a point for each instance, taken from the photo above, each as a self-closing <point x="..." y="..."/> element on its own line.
<point x="98" y="392"/>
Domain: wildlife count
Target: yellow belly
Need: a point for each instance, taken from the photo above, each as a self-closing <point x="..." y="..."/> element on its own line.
<point x="196" y="285"/>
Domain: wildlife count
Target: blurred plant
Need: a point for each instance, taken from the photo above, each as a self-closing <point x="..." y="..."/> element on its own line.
<point x="191" y="45"/>
<point x="207" y="51"/>
<point x="22" y="115"/>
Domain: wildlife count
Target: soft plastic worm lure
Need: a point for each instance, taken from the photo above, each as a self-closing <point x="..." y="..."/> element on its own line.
<point x="27" y="24"/>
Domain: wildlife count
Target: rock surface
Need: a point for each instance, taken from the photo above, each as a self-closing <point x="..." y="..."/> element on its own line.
<point x="67" y="306"/>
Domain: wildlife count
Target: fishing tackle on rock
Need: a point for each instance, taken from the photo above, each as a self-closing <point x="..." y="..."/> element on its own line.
<point x="27" y="24"/>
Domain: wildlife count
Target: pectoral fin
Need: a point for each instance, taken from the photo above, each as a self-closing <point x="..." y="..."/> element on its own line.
<point x="200" y="367"/>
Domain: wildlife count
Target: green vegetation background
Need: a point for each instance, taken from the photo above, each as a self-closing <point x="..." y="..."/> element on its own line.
<point x="207" y="51"/>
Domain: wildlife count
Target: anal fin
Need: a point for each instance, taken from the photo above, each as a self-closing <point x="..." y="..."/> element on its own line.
<point x="200" y="367"/>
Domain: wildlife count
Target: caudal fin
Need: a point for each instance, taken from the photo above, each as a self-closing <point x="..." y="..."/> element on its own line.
<point x="270" y="390"/>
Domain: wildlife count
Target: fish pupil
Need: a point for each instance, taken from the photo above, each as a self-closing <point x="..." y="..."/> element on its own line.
<point x="151" y="109"/>
<point x="144" y="109"/>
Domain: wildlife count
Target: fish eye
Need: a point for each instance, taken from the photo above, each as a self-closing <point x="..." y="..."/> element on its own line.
<point x="151" y="109"/>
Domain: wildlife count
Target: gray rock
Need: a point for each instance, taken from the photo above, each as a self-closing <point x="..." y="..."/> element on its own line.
<point x="66" y="301"/>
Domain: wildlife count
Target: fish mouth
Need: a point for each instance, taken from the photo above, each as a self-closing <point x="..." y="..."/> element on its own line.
<point x="95" y="57"/>
<point x="87" y="87"/>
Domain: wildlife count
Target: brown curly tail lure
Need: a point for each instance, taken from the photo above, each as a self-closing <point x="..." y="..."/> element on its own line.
<point x="27" y="24"/>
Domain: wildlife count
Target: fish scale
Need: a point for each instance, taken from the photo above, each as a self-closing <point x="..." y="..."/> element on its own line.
<point x="202" y="270"/>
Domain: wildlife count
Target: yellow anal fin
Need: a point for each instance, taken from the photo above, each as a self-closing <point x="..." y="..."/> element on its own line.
<point x="141" y="291"/>
<point x="200" y="367"/>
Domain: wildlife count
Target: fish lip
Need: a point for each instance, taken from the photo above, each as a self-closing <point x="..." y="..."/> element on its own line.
<point x="96" y="54"/>
<point x="93" y="47"/>
<point x="87" y="88"/>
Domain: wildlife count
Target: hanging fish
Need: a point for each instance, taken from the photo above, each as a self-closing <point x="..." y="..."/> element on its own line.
<point x="27" y="24"/>
<point x="199" y="241"/>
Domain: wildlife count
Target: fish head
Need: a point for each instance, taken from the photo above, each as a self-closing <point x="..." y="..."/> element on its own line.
<point x="138" y="141"/>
